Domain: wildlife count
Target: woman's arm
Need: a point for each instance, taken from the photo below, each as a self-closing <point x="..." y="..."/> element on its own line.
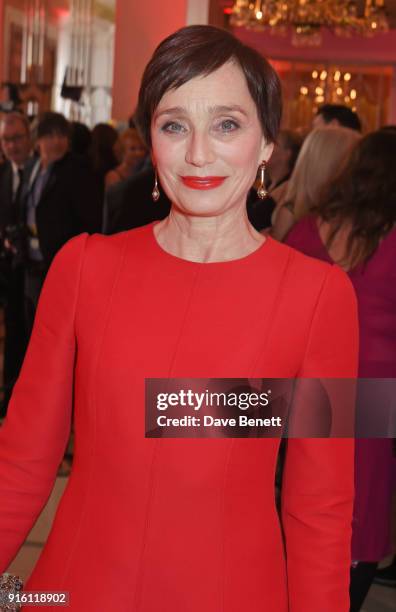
<point x="36" y="430"/>
<point x="318" y="484"/>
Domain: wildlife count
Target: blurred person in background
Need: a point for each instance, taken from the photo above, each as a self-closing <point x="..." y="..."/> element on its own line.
<point x="281" y="164"/>
<point x="105" y="153"/>
<point x="133" y="155"/>
<point x="321" y="155"/>
<point x="16" y="145"/>
<point x="128" y="204"/>
<point x="354" y="225"/>
<point x="61" y="200"/>
<point x="80" y="139"/>
<point x="10" y="99"/>
<point x="337" y="115"/>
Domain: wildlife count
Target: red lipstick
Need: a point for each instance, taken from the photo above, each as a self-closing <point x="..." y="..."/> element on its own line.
<point x="203" y="182"/>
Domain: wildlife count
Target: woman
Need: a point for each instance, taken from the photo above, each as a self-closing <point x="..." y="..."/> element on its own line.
<point x="354" y="226"/>
<point x="176" y="525"/>
<point x="323" y="152"/>
<point x="133" y="153"/>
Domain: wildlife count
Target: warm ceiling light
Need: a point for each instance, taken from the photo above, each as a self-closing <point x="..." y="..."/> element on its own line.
<point x="307" y="18"/>
<point x="304" y="91"/>
<point x="353" y="94"/>
<point x="347" y="76"/>
<point x="323" y="75"/>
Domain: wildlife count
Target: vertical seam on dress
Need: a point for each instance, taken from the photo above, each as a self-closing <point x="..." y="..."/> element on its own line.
<point x="313" y="316"/>
<point x="93" y="403"/>
<point x="140" y="572"/>
<point x="270" y="317"/>
<point x="197" y="274"/>
<point x="222" y="527"/>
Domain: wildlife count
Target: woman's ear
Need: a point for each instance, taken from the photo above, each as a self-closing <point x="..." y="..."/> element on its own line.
<point x="266" y="151"/>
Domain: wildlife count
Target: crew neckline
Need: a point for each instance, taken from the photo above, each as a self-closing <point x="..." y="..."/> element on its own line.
<point x="263" y="246"/>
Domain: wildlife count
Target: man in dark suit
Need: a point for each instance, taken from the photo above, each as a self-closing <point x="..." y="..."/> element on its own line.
<point x="16" y="146"/>
<point x="61" y="200"/>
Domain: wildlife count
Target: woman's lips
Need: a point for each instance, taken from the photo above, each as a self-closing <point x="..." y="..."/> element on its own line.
<point x="202" y="182"/>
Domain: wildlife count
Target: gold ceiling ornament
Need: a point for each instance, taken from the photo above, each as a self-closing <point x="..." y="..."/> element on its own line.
<point x="306" y="18"/>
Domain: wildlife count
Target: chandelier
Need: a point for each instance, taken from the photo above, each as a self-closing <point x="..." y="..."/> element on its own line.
<point x="306" y="18"/>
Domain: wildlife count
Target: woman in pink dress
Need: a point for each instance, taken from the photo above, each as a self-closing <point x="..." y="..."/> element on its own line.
<point x="354" y="226"/>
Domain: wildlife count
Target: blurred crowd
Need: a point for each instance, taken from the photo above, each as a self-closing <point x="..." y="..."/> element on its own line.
<point x="57" y="180"/>
<point x="331" y="193"/>
<point x="60" y="178"/>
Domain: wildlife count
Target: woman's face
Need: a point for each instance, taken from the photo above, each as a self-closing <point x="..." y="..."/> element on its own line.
<point x="208" y="142"/>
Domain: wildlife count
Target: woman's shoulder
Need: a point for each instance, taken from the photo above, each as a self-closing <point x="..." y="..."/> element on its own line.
<point x="298" y="259"/>
<point x="105" y="244"/>
<point x="308" y="274"/>
<point x="99" y="250"/>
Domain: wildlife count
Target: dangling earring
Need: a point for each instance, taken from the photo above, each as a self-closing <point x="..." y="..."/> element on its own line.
<point x="261" y="191"/>
<point x="155" y="193"/>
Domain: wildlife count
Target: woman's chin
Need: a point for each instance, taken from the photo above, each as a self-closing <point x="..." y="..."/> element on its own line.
<point x="201" y="209"/>
<point x="208" y="203"/>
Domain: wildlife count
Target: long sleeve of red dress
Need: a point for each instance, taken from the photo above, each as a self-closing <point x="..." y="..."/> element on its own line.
<point x="36" y="430"/>
<point x="178" y="525"/>
<point x="317" y="495"/>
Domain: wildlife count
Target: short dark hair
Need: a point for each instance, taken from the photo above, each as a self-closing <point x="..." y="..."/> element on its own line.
<point x="199" y="50"/>
<point x="50" y="123"/>
<point x="343" y="114"/>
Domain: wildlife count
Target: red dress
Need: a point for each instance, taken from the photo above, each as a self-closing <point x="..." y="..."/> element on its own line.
<point x="178" y="525"/>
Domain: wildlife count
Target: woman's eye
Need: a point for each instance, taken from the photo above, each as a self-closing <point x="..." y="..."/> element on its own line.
<point x="173" y="127"/>
<point x="228" y="125"/>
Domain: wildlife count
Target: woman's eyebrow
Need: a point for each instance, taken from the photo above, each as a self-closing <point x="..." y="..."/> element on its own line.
<point x="180" y="110"/>
<point x="228" y="109"/>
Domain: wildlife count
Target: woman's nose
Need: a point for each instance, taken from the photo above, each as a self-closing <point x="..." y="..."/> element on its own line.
<point x="199" y="150"/>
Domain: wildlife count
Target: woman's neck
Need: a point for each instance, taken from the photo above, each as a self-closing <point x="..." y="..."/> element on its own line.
<point x="208" y="239"/>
